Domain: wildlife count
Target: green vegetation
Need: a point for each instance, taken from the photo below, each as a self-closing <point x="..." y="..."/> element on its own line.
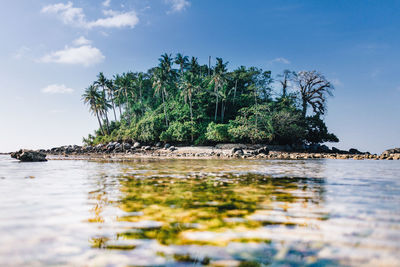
<point x="200" y="104"/>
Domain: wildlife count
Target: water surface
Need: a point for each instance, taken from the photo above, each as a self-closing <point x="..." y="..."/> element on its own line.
<point x="200" y="212"/>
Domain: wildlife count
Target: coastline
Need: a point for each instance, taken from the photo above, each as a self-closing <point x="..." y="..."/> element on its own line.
<point x="230" y="151"/>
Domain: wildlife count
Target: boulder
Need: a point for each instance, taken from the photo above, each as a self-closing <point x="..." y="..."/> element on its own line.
<point x="126" y="146"/>
<point x="263" y="150"/>
<point x="391" y="151"/>
<point x="158" y="144"/>
<point x="354" y="151"/>
<point x="29" y="156"/>
<point x="166" y="146"/>
<point x="172" y="148"/>
<point x="137" y="145"/>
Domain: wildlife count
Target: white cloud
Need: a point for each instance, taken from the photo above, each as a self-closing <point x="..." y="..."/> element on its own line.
<point x="67" y="13"/>
<point x="178" y="5"/>
<point x="81" y="41"/>
<point x="85" y="55"/>
<point x="106" y="3"/>
<point x="57" y="89"/>
<point x="115" y="20"/>
<point x="74" y="16"/>
<point x="280" y="60"/>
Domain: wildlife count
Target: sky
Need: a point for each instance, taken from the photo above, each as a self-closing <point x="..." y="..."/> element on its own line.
<point x="51" y="50"/>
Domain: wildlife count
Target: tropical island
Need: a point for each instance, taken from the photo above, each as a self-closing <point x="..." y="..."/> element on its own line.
<point x="182" y="102"/>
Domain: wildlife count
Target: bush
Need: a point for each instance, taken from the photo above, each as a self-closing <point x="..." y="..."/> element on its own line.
<point x="253" y="125"/>
<point x="148" y="129"/>
<point x="217" y="132"/>
<point x="178" y="132"/>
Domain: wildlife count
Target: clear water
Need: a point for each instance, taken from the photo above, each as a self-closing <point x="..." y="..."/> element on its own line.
<point x="199" y="212"/>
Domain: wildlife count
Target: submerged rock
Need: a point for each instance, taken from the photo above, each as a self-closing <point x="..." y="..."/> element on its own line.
<point x="29" y="156"/>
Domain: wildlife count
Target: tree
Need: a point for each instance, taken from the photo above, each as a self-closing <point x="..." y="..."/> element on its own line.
<point x="188" y="86"/>
<point x="92" y="97"/>
<point x="218" y="80"/>
<point x="286" y="78"/>
<point x="314" y="90"/>
<point x="182" y="61"/>
<point x="111" y="90"/>
<point x="102" y="82"/>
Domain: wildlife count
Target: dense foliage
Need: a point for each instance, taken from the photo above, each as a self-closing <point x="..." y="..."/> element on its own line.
<point x="200" y="104"/>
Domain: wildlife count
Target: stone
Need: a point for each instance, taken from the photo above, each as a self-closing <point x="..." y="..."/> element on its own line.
<point x="158" y="144"/>
<point x="354" y="151"/>
<point x="391" y="151"/>
<point x="29" y="156"/>
<point x="136" y="145"/>
<point x="172" y="148"/>
<point x="166" y="146"/>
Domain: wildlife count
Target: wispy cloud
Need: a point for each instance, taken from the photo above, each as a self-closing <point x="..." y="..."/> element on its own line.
<point x="82" y="53"/>
<point x="57" y="89"/>
<point x="75" y="16"/>
<point x="21" y="52"/>
<point x="177" y="5"/>
<point x="115" y="20"/>
<point x="281" y="60"/>
<point x="81" y="41"/>
<point x="336" y="82"/>
<point x="106" y="3"/>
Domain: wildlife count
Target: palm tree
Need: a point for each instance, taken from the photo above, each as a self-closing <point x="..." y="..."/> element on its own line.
<point x="162" y="79"/>
<point x="219" y="81"/>
<point x="159" y="84"/>
<point x="110" y="90"/>
<point x="189" y="85"/>
<point x="182" y="61"/>
<point x="91" y="97"/>
<point x="102" y="82"/>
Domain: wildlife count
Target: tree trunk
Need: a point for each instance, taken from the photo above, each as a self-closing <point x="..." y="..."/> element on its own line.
<point x="222" y="110"/>
<point x="304" y="111"/>
<point x="98" y="119"/>
<point x="191" y="117"/>
<point x="165" y="108"/>
<point x="129" y="108"/>
<point x="120" y="112"/>
<point x="234" y="93"/>
<point x="113" y="105"/>
<point x="216" y="107"/>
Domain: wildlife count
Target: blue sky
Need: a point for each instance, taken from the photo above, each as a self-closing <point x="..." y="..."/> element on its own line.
<point x="51" y="50"/>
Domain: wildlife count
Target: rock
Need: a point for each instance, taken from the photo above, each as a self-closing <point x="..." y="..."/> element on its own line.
<point x="166" y="146"/>
<point x="263" y="150"/>
<point x="354" y="151"/>
<point x="237" y="151"/>
<point x="126" y="146"/>
<point x="172" y="148"/>
<point x="29" y="156"/>
<point x="146" y="148"/>
<point x="136" y="145"/>
<point x="391" y="151"/>
<point x="158" y="144"/>
<point x="233" y="151"/>
<point x="324" y="149"/>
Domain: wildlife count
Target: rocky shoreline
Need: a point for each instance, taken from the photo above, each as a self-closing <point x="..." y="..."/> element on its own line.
<point x="127" y="151"/>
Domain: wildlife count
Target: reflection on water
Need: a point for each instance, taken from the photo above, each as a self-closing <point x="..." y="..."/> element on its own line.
<point x="200" y="212"/>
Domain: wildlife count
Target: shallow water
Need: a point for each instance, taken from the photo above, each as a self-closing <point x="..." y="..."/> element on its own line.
<point x="199" y="212"/>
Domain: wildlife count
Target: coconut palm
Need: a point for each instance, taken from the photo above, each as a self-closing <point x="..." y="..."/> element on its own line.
<point x="91" y="97"/>
<point x="219" y="80"/>
<point x="182" y="61"/>
<point x="102" y="82"/>
<point x="111" y="90"/>
<point x="189" y="85"/>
